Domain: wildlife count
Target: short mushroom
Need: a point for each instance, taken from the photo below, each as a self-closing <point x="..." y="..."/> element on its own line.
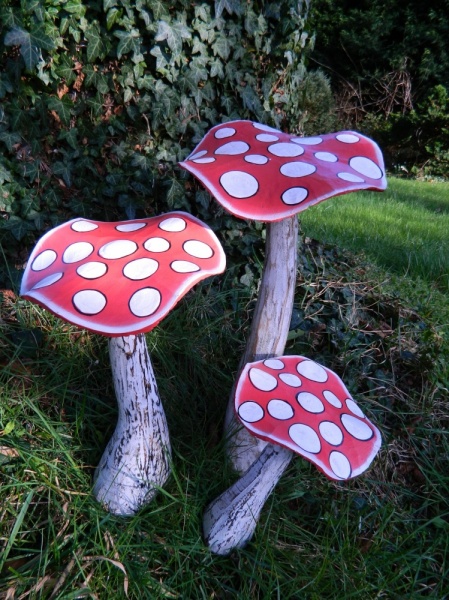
<point x="300" y="407"/>
<point x="257" y="172"/>
<point x="120" y="279"/>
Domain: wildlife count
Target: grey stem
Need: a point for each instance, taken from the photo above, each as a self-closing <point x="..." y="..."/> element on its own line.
<point x="136" y="461"/>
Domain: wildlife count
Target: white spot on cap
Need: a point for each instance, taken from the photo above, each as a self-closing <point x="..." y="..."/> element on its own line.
<point x="44" y="260"/>
<point x="256" y="159"/>
<point x="350" y="177"/>
<point x="331" y="433"/>
<point x="145" y="302"/>
<point x="117" y="249"/>
<point x="310" y="402"/>
<point x="305" y="437"/>
<point x="173" y="224"/>
<point x="141" y="268"/>
<point x="366" y="167"/>
<point x="251" y="412"/>
<point x="347" y="138"/>
<point x="157" y="244"/>
<point x="184" y="266"/>
<point x="340" y="465"/>
<point x="354" y="408"/>
<point x="297" y="169"/>
<point x="126" y="227"/>
<point x="285" y="149"/>
<point x="239" y="184"/>
<point x="332" y="399"/>
<point x="267" y="137"/>
<point x="197" y="155"/>
<point x="232" y="148"/>
<point x="326" y="156"/>
<point x="83" y="226"/>
<point x="263" y="127"/>
<point x="89" y="302"/>
<point x="77" y="251"/>
<point x="295" y="195"/>
<point x="280" y="409"/>
<point x="92" y="270"/>
<point x="48" y="281"/>
<point x="312" y="370"/>
<point x="204" y="161"/>
<point x="198" y="249"/>
<point x="224" y="132"/>
<point x="274" y="363"/>
<point x="290" y="379"/>
<point x="261" y="380"/>
<point x="357" y="428"/>
<point x="308" y="141"/>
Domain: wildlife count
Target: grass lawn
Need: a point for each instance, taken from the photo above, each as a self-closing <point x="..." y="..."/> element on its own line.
<point x="382" y="326"/>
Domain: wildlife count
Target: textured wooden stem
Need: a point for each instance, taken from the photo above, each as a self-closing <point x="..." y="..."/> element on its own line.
<point x="230" y="520"/>
<point x="269" y="328"/>
<point x="136" y="462"/>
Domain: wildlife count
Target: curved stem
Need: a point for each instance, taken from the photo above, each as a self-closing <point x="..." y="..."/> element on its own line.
<point x="136" y="461"/>
<point x="269" y="328"/>
<point x="230" y="520"/>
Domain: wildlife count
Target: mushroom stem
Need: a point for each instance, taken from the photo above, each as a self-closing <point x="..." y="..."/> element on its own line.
<point x="230" y="520"/>
<point x="136" y="461"/>
<point x="269" y="328"/>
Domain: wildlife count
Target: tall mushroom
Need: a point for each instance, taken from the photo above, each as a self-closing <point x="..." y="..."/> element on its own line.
<point x="257" y="172"/>
<point x="300" y="407"/>
<point x="120" y="279"/>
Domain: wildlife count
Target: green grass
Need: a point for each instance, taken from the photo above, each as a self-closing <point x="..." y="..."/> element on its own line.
<point x="383" y="535"/>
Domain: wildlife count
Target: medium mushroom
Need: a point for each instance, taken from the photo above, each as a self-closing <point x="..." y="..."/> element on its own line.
<point x="257" y="172"/>
<point x="300" y="407"/>
<point x="120" y="279"/>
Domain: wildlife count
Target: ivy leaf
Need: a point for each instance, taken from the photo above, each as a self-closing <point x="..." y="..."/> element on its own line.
<point x="65" y="70"/>
<point x="5" y="175"/>
<point x="71" y="137"/>
<point x="6" y="86"/>
<point x="159" y="8"/>
<point x="64" y="170"/>
<point x="129" y="42"/>
<point x="17" y="226"/>
<point x="75" y="8"/>
<point x="107" y="4"/>
<point x="173" y="34"/>
<point x="222" y="47"/>
<point x="61" y="107"/>
<point x="95" y="45"/>
<point x="232" y="6"/>
<point x="10" y="139"/>
<point x="30" y="53"/>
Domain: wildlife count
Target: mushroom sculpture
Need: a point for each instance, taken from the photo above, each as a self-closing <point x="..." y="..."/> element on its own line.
<point x="300" y="407"/>
<point x="257" y="172"/>
<point x="120" y="279"/>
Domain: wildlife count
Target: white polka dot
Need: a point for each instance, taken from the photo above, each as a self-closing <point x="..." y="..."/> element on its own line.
<point x="263" y="127"/>
<point x="312" y="370"/>
<point x="50" y="280"/>
<point x="184" y="266"/>
<point x="198" y="249"/>
<point x="239" y="184"/>
<point x="173" y="224"/>
<point x="267" y="137"/>
<point x="145" y="302"/>
<point x="141" y="268"/>
<point x="357" y="428"/>
<point x="347" y="138"/>
<point x="340" y="465"/>
<point x="331" y="433"/>
<point x="305" y="437"/>
<point x="232" y="148"/>
<point x="354" y="408"/>
<point x="350" y="177"/>
<point x="77" y="251"/>
<point x="204" y="161"/>
<point x="261" y="380"/>
<point x="197" y="155"/>
<point x="92" y="270"/>
<point x="256" y="159"/>
<point x="156" y="244"/>
<point x="117" y="249"/>
<point x="310" y="402"/>
<point x="280" y="409"/>
<point x="366" y="167"/>
<point x="326" y="156"/>
<point x="309" y="141"/>
<point x="274" y="363"/>
<point x="285" y="149"/>
<point x="295" y="195"/>
<point x="224" y="132"/>
<point x="83" y="226"/>
<point x="89" y="302"/>
<point x="332" y="399"/>
<point x="291" y="380"/>
<point x="250" y="412"/>
<point x="297" y="169"/>
<point x="126" y="227"/>
<point x="44" y="260"/>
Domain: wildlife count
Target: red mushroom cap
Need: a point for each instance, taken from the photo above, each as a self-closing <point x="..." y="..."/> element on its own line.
<point x="257" y="172"/>
<point x="299" y="404"/>
<point x="120" y="278"/>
